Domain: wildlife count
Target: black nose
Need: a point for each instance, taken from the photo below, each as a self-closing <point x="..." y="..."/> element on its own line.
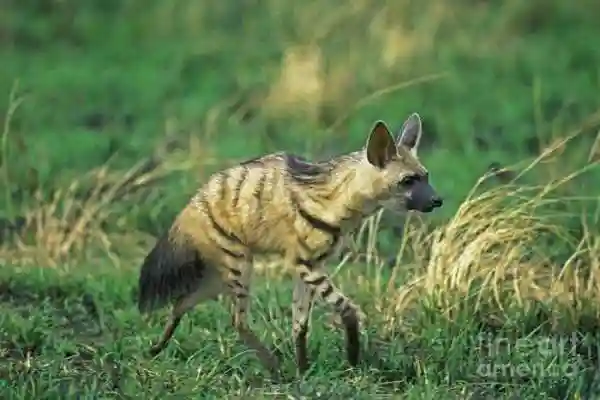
<point x="437" y="202"/>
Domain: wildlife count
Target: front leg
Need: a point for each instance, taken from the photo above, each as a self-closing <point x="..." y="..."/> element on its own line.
<point x="238" y="282"/>
<point x="314" y="277"/>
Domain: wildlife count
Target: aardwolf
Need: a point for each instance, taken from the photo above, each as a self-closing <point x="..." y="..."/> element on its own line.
<point x="284" y="205"/>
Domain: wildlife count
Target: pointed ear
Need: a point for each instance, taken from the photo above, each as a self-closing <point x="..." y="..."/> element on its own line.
<point x="380" y="145"/>
<point x="410" y="134"/>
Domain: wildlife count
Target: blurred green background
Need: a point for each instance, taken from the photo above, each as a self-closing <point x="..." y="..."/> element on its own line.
<point x="495" y="82"/>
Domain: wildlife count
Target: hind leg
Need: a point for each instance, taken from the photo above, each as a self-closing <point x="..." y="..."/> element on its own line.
<point x="302" y="304"/>
<point x="209" y="289"/>
<point x="239" y="284"/>
<point x="181" y="306"/>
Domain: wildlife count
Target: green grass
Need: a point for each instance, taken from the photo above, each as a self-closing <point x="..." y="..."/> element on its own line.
<point x="79" y="334"/>
<point x="186" y="87"/>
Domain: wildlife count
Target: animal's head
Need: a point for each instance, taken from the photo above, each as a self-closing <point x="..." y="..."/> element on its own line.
<point x="399" y="182"/>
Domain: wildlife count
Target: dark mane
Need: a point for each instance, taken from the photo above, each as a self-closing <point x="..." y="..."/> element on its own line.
<point x="304" y="171"/>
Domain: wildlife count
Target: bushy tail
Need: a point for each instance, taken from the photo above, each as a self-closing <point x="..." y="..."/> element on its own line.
<point x="172" y="269"/>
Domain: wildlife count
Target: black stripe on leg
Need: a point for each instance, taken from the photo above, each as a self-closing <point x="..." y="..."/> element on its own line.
<point x="327" y="292"/>
<point x="316" y="281"/>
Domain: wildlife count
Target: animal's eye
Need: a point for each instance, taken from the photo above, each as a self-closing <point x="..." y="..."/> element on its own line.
<point x="409" y="180"/>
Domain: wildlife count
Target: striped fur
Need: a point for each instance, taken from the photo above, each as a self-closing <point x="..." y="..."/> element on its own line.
<point x="282" y="205"/>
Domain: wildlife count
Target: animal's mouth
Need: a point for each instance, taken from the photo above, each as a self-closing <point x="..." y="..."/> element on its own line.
<point x="427" y="209"/>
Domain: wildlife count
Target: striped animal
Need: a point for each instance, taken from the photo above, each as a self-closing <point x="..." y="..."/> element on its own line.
<point x="282" y="205"/>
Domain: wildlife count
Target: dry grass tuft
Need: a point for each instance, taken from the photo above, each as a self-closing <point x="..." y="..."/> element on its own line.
<point x="493" y="255"/>
<point x="74" y="221"/>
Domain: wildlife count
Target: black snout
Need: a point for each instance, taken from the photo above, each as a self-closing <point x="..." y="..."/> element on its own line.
<point x="422" y="197"/>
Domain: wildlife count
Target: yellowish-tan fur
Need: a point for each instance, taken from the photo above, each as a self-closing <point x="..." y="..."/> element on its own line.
<point x="283" y="205"/>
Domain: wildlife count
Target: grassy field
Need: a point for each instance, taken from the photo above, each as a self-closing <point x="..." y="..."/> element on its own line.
<point x="115" y="112"/>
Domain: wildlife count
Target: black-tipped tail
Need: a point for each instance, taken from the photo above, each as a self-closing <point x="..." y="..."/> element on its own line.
<point x="172" y="269"/>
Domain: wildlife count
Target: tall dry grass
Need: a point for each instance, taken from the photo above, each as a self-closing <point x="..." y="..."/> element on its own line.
<point x="494" y="254"/>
